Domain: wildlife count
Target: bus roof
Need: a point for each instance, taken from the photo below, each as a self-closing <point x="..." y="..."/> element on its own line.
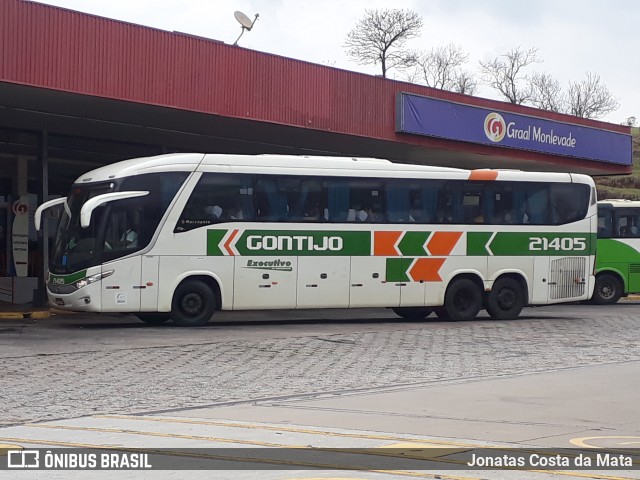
<point x="620" y="203"/>
<point x="306" y="165"/>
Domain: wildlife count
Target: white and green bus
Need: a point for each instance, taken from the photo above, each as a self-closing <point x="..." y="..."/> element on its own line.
<point x="618" y="251"/>
<point x="181" y="236"/>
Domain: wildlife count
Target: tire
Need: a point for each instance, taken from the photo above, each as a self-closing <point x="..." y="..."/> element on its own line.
<point x="463" y="300"/>
<point x="413" y="313"/>
<point x="608" y="289"/>
<point x="506" y="299"/>
<point x="193" y="305"/>
<point x="154" y="318"/>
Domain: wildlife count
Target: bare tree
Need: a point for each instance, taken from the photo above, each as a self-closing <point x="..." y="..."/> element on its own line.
<point x="630" y="121"/>
<point x="441" y="68"/>
<point x="505" y="74"/>
<point x="438" y="67"/>
<point x="380" y="37"/>
<point x="546" y="93"/>
<point x="465" y="82"/>
<point x="590" y="98"/>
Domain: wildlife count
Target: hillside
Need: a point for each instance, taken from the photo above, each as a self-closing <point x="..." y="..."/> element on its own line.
<point x="623" y="186"/>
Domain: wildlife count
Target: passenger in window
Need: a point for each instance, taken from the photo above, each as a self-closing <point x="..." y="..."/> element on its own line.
<point x="235" y="212"/>
<point x="213" y="212"/>
<point x="129" y="238"/>
<point x="312" y="213"/>
<point x="375" y="214"/>
<point x="362" y="215"/>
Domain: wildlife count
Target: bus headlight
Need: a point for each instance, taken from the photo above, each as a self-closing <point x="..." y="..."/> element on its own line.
<point x="91" y="279"/>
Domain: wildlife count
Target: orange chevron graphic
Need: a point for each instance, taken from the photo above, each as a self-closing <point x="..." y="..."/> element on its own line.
<point x="227" y="244"/>
<point x="442" y="243"/>
<point x="384" y="243"/>
<point x="426" y="270"/>
<point x="483" y="175"/>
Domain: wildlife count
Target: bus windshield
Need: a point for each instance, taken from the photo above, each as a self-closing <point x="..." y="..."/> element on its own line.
<point x="117" y="228"/>
<point x="76" y="247"/>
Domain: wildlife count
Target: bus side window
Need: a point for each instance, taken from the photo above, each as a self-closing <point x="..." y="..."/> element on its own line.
<point x="398" y="202"/>
<point x="271" y="201"/>
<point x="605" y="223"/>
<point x="367" y="198"/>
<point x="536" y="205"/>
<point x="337" y="194"/>
<point x="218" y="198"/>
<point x="304" y="198"/>
<point x="569" y="202"/>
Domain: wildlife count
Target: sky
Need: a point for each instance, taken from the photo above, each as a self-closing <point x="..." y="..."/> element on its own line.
<point x="573" y="37"/>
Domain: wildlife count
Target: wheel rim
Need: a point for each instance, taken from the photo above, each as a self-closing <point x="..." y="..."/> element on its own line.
<point x="462" y="301"/>
<point x="506" y="298"/>
<point x="607" y="290"/>
<point x="192" y="304"/>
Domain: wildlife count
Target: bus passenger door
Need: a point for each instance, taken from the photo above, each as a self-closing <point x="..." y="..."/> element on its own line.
<point x="121" y="289"/>
<point x="149" y="283"/>
<point x="369" y="286"/>
<point x="265" y="282"/>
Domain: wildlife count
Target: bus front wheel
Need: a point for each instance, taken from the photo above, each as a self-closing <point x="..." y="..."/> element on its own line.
<point x="462" y="302"/>
<point x="193" y="305"/>
<point x="608" y="289"/>
<point x="413" y="313"/>
<point x="505" y="300"/>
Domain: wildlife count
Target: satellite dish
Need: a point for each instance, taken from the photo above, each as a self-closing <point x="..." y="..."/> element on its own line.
<point x="245" y="21"/>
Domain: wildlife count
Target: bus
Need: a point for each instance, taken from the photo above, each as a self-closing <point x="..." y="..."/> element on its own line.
<point x="618" y="251"/>
<point x="181" y="236"/>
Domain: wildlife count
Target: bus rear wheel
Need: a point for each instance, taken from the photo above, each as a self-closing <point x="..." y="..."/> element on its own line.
<point x="154" y="318"/>
<point x="506" y="299"/>
<point x="413" y="313"/>
<point x="193" y="305"/>
<point x="462" y="302"/>
<point x="608" y="289"/>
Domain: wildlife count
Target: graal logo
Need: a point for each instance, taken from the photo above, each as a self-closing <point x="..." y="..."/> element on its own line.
<point x="23" y="459"/>
<point x="495" y="127"/>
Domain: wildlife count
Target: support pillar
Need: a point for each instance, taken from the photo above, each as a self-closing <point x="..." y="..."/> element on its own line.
<point x="40" y="295"/>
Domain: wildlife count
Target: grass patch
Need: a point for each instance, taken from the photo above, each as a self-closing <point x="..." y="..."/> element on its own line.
<point x="627" y="186"/>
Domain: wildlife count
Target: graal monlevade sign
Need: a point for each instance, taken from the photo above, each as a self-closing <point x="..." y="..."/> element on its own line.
<point x="454" y="121"/>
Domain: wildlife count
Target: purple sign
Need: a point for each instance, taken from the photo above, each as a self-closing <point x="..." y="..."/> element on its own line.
<point x="438" y="118"/>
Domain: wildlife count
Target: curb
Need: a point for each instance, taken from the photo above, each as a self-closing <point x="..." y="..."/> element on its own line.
<point x="24" y="315"/>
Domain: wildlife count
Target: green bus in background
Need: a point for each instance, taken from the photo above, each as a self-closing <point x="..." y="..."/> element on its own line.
<point x="618" y="251"/>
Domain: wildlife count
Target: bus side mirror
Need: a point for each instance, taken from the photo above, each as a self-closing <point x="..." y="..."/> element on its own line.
<point x="37" y="217"/>
<point x="93" y="203"/>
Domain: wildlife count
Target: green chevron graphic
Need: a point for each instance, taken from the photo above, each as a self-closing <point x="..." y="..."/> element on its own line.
<point x="412" y="243"/>
<point x="396" y="270"/>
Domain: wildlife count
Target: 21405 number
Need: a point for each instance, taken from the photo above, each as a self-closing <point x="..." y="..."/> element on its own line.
<point x="558" y="244"/>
